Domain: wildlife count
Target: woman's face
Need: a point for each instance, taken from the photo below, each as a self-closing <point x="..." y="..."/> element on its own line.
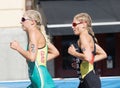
<point x="26" y="22"/>
<point x="78" y="26"/>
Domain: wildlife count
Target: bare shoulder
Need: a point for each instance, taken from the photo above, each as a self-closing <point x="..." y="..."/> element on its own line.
<point x="85" y="38"/>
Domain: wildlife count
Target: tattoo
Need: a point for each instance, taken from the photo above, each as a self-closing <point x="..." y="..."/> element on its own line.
<point x="83" y="49"/>
<point x="33" y="48"/>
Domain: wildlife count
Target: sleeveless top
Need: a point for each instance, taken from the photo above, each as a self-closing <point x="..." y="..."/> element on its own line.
<point x="38" y="73"/>
<point x="84" y="67"/>
<point x="40" y="59"/>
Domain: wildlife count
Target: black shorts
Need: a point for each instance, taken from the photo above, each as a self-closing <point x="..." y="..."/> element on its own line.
<point x="91" y="80"/>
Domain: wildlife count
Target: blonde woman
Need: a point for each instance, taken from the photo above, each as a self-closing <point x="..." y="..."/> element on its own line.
<point x="89" y="51"/>
<point x="39" y="50"/>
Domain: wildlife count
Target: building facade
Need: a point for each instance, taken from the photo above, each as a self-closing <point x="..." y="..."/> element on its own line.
<point x="12" y="65"/>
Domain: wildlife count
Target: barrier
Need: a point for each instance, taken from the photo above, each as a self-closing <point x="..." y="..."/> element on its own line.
<point x="107" y="82"/>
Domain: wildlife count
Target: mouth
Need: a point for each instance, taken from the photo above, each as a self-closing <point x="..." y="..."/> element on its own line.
<point x="74" y="30"/>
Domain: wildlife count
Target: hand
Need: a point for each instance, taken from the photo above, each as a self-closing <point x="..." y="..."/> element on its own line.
<point x="14" y="45"/>
<point x="71" y="49"/>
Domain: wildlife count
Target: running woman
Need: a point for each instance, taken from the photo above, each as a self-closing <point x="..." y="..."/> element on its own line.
<point x="88" y="51"/>
<point x="39" y="51"/>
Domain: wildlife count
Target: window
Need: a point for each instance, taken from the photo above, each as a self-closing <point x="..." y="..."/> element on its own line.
<point x="110" y="42"/>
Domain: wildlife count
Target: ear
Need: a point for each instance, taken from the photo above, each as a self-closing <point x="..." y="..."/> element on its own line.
<point x="33" y="22"/>
<point x="84" y="25"/>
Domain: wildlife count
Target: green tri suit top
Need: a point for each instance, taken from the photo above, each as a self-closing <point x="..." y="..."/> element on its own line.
<point x="38" y="73"/>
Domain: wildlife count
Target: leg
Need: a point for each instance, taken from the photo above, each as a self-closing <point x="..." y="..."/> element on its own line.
<point x="92" y="80"/>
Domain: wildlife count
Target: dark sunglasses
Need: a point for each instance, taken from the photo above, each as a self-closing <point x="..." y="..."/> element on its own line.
<point x="75" y="24"/>
<point x="23" y="19"/>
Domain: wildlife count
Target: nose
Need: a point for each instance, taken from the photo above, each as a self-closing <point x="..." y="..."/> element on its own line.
<point x="72" y="26"/>
<point x="21" y="22"/>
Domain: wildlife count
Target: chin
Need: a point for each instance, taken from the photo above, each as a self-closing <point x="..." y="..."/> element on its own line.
<point x="24" y="29"/>
<point x="76" y="33"/>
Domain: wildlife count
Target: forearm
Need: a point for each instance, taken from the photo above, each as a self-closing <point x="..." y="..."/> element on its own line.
<point x="24" y="53"/>
<point x="52" y="56"/>
<point x="100" y="53"/>
<point x="99" y="57"/>
<point x="79" y="55"/>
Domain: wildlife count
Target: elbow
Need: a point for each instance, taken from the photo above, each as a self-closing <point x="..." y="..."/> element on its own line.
<point x="57" y="54"/>
<point x="105" y="55"/>
<point x="32" y="59"/>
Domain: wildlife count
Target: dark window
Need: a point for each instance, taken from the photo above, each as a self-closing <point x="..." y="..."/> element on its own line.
<point x="110" y="42"/>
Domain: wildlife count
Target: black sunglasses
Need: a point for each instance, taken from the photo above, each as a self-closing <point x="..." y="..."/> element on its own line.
<point x="23" y="19"/>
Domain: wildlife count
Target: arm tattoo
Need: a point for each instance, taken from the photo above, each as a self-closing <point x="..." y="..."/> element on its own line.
<point x="32" y="48"/>
<point x="83" y="49"/>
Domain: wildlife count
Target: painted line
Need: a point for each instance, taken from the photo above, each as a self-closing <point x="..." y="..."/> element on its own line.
<point x="106" y="77"/>
<point x="93" y="24"/>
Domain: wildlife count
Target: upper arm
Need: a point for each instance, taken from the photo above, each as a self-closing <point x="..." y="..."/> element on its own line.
<point x="85" y="45"/>
<point x="99" y="50"/>
<point x="33" y="47"/>
<point x="86" y="48"/>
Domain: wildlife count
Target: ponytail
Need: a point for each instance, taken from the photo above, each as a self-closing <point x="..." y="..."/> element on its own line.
<point x="42" y="29"/>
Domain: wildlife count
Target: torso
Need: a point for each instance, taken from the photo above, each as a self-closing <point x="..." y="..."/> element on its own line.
<point x="85" y="66"/>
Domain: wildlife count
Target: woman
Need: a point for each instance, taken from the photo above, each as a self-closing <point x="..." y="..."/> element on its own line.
<point x="88" y="51"/>
<point x="39" y="50"/>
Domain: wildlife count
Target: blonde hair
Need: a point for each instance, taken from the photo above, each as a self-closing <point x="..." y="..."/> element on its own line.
<point x="35" y="15"/>
<point x="84" y="17"/>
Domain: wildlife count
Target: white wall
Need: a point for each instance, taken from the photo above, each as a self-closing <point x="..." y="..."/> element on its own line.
<point x="11" y="12"/>
<point x="12" y="65"/>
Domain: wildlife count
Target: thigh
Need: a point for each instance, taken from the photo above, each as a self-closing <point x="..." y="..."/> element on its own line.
<point x="92" y="80"/>
<point x="46" y="78"/>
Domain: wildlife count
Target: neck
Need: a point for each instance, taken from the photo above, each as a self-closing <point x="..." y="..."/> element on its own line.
<point x="83" y="31"/>
<point x="32" y="28"/>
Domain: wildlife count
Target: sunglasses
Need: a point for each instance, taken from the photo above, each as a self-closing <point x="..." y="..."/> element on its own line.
<point x="75" y="24"/>
<point x="23" y="19"/>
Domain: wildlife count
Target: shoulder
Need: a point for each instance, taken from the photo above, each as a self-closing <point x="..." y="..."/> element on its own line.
<point x="84" y="37"/>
